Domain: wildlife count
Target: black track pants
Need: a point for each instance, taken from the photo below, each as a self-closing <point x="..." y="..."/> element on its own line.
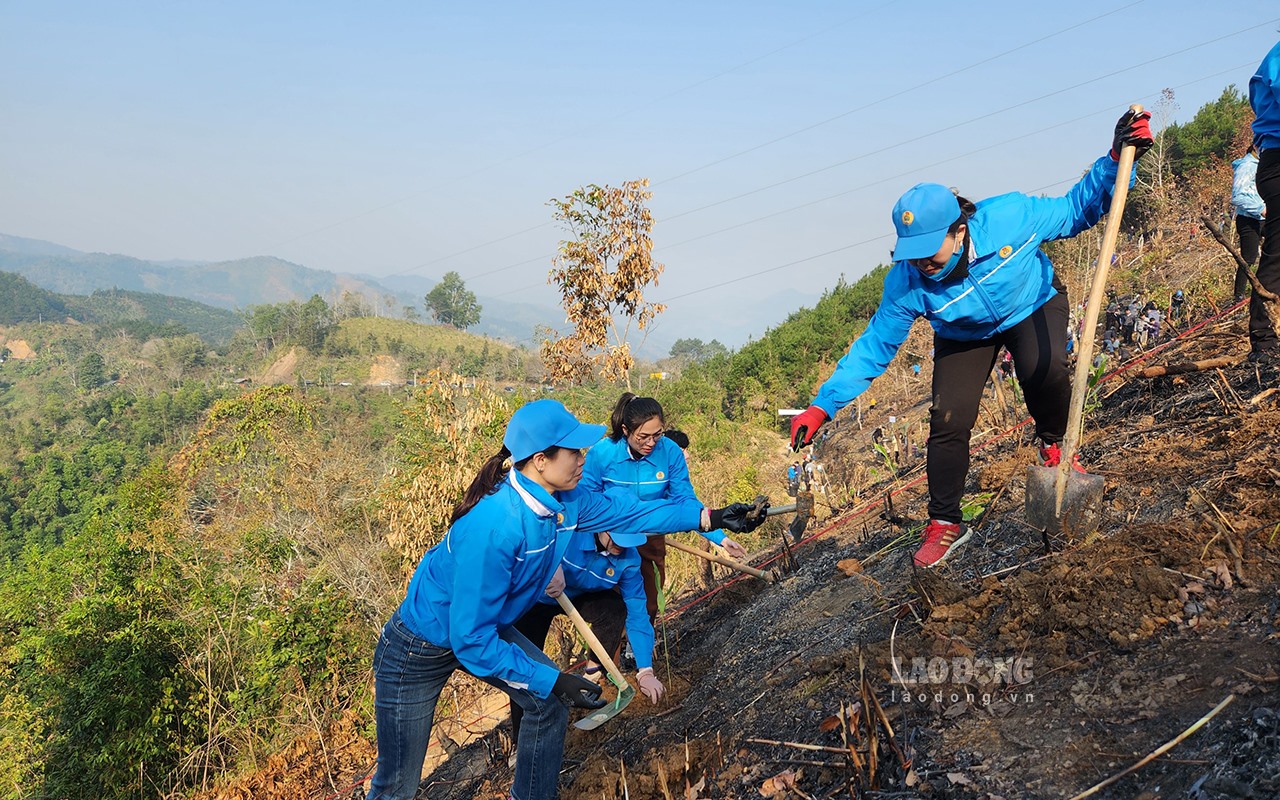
<point x="960" y="371"/>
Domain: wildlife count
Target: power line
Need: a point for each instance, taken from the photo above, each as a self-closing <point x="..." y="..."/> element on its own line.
<point x="953" y="127"/>
<point x="784" y="136"/>
<point x="894" y="95"/>
<point x="885" y="180"/>
<point x="913" y="140"/>
<point x="629" y="110"/>
<point x="855" y="189"/>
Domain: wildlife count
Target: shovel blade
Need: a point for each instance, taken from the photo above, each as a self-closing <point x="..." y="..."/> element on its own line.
<point x="1081" y="512"/>
<point x="796" y="529"/>
<point x="602" y="715"/>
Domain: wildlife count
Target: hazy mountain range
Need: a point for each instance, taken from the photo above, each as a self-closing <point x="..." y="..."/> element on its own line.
<point x="244" y="282"/>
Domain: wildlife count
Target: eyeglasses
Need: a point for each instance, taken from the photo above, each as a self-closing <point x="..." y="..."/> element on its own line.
<point x="648" y="437"/>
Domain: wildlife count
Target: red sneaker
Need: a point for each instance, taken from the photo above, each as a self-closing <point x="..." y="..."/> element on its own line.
<point x="1051" y="456"/>
<point x="941" y="539"/>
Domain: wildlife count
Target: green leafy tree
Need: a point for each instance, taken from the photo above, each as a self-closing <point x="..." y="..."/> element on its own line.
<point x="92" y="371"/>
<point x="266" y="324"/>
<point x="696" y="351"/>
<point x="314" y="322"/>
<point x="1210" y="133"/>
<point x="451" y="303"/>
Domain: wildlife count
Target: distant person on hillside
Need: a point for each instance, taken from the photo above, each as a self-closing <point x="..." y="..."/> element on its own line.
<point x="1176" y="304"/>
<point x="501" y="554"/>
<point x="1250" y="211"/>
<point x="638" y="460"/>
<point x="1264" y="96"/>
<point x="977" y="273"/>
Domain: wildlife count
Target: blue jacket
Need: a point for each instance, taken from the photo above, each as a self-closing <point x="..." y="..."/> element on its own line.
<point x="1244" y="187"/>
<point x="661" y="474"/>
<point x="495" y="563"/>
<point x="586" y="569"/>
<point x="1264" y="96"/>
<point x="1009" y="277"/>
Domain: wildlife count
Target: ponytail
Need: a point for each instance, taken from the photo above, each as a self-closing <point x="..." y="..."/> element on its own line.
<point x="631" y="412"/>
<point x="485" y="483"/>
<point x="967" y="209"/>
<point x="490" y="477"/>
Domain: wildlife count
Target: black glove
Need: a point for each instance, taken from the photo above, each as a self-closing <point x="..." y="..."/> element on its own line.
<point x="1134" y="129"/>
<point x="578" y="691"/>
<point x="735" y="517"/>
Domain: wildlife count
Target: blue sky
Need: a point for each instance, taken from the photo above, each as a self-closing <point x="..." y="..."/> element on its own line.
<point x="392" y="138"/>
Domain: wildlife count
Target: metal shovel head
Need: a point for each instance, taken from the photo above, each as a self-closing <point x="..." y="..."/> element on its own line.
<point x="602" y="715"/>
<point x="1081" y="503"/>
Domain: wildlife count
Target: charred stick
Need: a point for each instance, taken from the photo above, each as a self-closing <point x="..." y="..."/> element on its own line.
<point x="1253" y="279"/>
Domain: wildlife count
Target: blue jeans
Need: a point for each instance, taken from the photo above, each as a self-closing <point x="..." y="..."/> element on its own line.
<point x="410" y="673"/>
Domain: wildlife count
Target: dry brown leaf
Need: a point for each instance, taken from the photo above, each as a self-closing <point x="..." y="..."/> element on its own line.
<point x="778" y="784"/>
<point x="849" y="566"/>
<point x="1222" y="574"/>
<point x="829" y="724"/>
<point x="691" y="792"/>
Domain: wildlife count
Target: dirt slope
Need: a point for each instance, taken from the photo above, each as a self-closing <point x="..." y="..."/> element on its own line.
<point x="1100" y="652"/>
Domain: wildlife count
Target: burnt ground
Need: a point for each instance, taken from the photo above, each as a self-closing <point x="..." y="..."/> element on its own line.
<point x="1026" y="671"/>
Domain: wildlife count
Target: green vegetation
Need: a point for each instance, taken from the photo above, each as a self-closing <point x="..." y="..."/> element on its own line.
<point x="788" y="362"/>
<point x="143" y="316"/>
<point x="1212" y="134"/>
<point x="422" y="348"/>
<point x="23" y="301"/>
<point x="451" y="303"/>
<point x="137" y="315"/>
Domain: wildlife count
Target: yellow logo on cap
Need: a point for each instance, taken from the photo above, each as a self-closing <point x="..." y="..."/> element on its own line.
<point x="908" y="218"/>
<point x="1006" y="251"/>
<point x="661" y="475"/>
<point x="559" y="517"/>
<point x="609" y="572"/>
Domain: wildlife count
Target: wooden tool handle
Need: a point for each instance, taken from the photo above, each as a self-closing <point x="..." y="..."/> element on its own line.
<point x="1084" y="352"/>
<point x="583" y="628"/>
<point x="719" y="559"/>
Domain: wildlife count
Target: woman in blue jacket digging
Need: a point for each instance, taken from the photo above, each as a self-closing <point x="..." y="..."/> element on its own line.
<point x="977" y="273"/>
<point x="501" y="553"/>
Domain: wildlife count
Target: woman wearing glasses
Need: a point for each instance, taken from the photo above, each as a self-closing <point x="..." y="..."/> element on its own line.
<point x="637" y="458"/>
<point x="977" y="273"/>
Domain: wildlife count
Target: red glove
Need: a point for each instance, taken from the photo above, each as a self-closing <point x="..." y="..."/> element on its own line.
<point x="1134" y="129"/>
<point x="804" y="426"/>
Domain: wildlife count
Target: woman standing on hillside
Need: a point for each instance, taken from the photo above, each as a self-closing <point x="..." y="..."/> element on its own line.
<point x="977" y="273"/>
<point x="501" y="553"/>
<point x="639" y="460"/>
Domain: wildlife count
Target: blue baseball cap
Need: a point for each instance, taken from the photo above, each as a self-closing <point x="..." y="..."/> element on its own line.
<point x="628" y="539"/>
<point x="543" y="423"/>
<point x="922" y="217"/>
